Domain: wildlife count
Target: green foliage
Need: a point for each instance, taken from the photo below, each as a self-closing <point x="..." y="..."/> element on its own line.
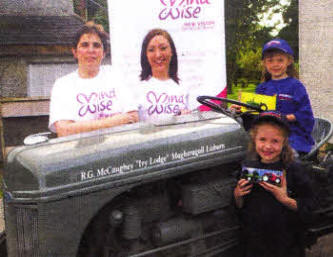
<point x="236" y="90"/>
<point x="244" y="34"/>
<point x="77" y="6"/>
<point x="290" y="32"/>
<point x="329" y="147"/>
<point x="249" y="62"/>
<point x="101" y="17"/>
<point x="93" y="10"/>
<point x="241" y="18"/>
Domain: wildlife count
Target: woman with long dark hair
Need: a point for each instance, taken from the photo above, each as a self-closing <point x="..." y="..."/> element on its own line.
<point x="161" y="93"/>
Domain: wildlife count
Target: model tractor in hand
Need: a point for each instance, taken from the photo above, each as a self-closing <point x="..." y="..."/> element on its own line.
<point x="272" y="178"/>
<point x="255" y="175"/>
<point x="250" y="175"/>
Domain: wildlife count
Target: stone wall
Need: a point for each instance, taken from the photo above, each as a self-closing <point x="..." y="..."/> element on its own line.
<point x="36" y="7"/>
<point x="316" y="54"/>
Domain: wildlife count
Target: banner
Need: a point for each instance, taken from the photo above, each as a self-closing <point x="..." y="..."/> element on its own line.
<point x="196" y="27"/>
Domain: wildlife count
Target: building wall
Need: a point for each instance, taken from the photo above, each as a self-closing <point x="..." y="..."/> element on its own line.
<point x="19" y="79"/>
<point x="14" y="74"/>
<point x="316" y="53"/>
<point x="36" y="7"/>
<point x="13" y="77"/>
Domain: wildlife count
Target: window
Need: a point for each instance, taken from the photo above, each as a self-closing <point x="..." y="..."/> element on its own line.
<point x="41" y="77"/>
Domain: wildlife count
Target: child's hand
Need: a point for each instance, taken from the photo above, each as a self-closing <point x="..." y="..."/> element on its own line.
<point x="280" y="193"/>
<point x="291" y="117"/>
<point x="235" y="107"/>
<point x="242" y="188"/>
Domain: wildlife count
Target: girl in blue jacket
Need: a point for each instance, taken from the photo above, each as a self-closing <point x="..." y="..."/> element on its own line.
<point x="279" y="78"/>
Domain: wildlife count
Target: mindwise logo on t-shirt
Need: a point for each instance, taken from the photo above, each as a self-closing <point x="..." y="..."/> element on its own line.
<point x="163" y="103"/>
<point x="96" y="103"/>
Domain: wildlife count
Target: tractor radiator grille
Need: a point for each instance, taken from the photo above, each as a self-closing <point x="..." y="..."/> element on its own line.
<point x="27" y="236"/>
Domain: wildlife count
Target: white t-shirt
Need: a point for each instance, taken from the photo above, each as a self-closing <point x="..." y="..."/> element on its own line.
<point x="160" y="99"/>
<point x="77" y="99"/>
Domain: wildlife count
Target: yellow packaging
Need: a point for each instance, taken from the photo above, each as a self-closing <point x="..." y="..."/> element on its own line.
<point x="257" y="100"/>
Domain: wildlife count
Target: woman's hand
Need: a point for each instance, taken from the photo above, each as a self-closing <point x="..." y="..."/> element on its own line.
<point x="121" y="119"/>
<point x="68" y="127"/>
<point x="243" y="187"/>
<point x="185" y="111"/>
<point x="131" y="117"/>
<point x="280" y="193"/>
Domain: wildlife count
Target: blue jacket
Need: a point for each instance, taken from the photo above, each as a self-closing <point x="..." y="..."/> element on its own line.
<point x="292" y="98"/>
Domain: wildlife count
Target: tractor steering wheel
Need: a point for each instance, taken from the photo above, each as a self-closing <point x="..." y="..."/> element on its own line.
<point x="206" y="100"/>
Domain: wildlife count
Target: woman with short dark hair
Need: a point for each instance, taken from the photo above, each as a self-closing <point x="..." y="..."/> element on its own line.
<point x="92" y="97"/>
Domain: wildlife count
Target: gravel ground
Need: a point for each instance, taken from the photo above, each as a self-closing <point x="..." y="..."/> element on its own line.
<point x="2" y="221"/>
<point x="323" y="247"/>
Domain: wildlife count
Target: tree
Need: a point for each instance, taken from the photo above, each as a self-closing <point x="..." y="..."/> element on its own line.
<point x="290" y="31"/>
<point x="98" y="12"/>
<point x="243" y="31"/>
<point x="95" y="10"/>
<point x="249" y="62"/>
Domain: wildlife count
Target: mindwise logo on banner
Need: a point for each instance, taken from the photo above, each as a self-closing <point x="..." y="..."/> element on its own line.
<point x="182" y="9"/>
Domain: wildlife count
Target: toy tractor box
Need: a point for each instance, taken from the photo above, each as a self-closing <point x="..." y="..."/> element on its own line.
<point x="255" y="175"/>
<point x="262" y="101"/>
